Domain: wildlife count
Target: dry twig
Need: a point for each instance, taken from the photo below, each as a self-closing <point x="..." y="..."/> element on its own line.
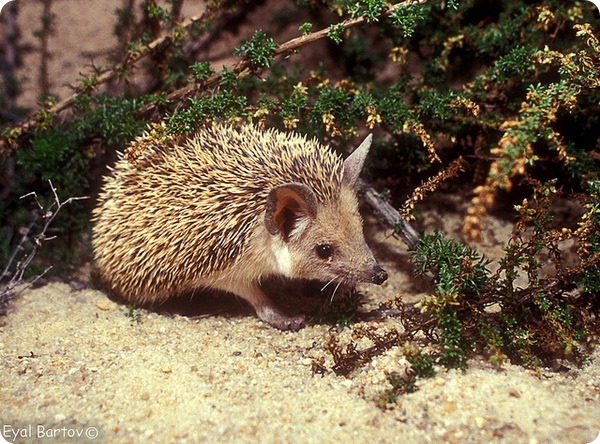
<point x="390" y="215"/>
<point x="14" y="276"/>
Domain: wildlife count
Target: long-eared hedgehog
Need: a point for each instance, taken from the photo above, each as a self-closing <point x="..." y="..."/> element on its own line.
<point x="226" y="207"/>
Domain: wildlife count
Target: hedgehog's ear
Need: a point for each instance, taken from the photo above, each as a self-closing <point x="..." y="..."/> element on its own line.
<point x="288" y="207"/>
<point x="355" y="161"/>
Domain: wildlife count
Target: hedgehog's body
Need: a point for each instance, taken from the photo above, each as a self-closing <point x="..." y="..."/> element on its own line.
<point x="224" y="209"/>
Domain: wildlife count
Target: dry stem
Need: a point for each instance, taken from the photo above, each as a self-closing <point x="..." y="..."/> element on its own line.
<point x="15" y="277"/>
<point x="390" y="215"/>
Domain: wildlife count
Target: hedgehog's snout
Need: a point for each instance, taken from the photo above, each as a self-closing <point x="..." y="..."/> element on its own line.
<point x="373" y="273"/>
<point x="379" y="275"/>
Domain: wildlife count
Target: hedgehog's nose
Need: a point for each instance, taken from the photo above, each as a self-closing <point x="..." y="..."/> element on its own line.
<point x="379" y="275"/>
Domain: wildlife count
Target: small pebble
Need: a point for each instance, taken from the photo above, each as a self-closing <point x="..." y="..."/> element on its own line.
<point x="59" y="417"/>
<point x="105" y="304"/>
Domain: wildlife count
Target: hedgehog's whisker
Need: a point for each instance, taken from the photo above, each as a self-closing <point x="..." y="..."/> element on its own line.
<point x="325" y="286"/>
<point x="335" y="290"/>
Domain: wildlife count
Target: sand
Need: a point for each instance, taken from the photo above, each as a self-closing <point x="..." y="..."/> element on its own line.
<point x="73" y="362"/>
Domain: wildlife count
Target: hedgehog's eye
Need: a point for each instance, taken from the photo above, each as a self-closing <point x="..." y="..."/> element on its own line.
<point x="324" y="251"/>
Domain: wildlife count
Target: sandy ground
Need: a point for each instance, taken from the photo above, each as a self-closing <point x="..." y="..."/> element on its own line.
<point x="73" y="362"/>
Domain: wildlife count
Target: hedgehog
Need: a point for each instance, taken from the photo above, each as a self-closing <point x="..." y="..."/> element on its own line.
<point x="224" y="209"/>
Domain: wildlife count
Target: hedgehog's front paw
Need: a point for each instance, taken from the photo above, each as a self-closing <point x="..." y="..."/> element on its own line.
<point x="291" y="323"/>
<point x="281" y="321"/>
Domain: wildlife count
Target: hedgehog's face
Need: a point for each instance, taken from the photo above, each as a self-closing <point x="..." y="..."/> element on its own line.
<point x="322" y="241"/>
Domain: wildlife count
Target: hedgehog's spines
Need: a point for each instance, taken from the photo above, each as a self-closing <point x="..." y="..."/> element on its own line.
<point x="176" y="210"/>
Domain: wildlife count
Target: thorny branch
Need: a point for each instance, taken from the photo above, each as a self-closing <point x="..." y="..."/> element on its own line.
<point x="15" y="277"/>
<point x="282" y="50"/>
<point x="431" y="185"/>
<point x="186" y="91"/>
<point x="105" y="76"/>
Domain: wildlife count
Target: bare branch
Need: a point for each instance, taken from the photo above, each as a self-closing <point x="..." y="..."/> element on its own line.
<point x="390" y="215"/>
<point x="15" y="276"/>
